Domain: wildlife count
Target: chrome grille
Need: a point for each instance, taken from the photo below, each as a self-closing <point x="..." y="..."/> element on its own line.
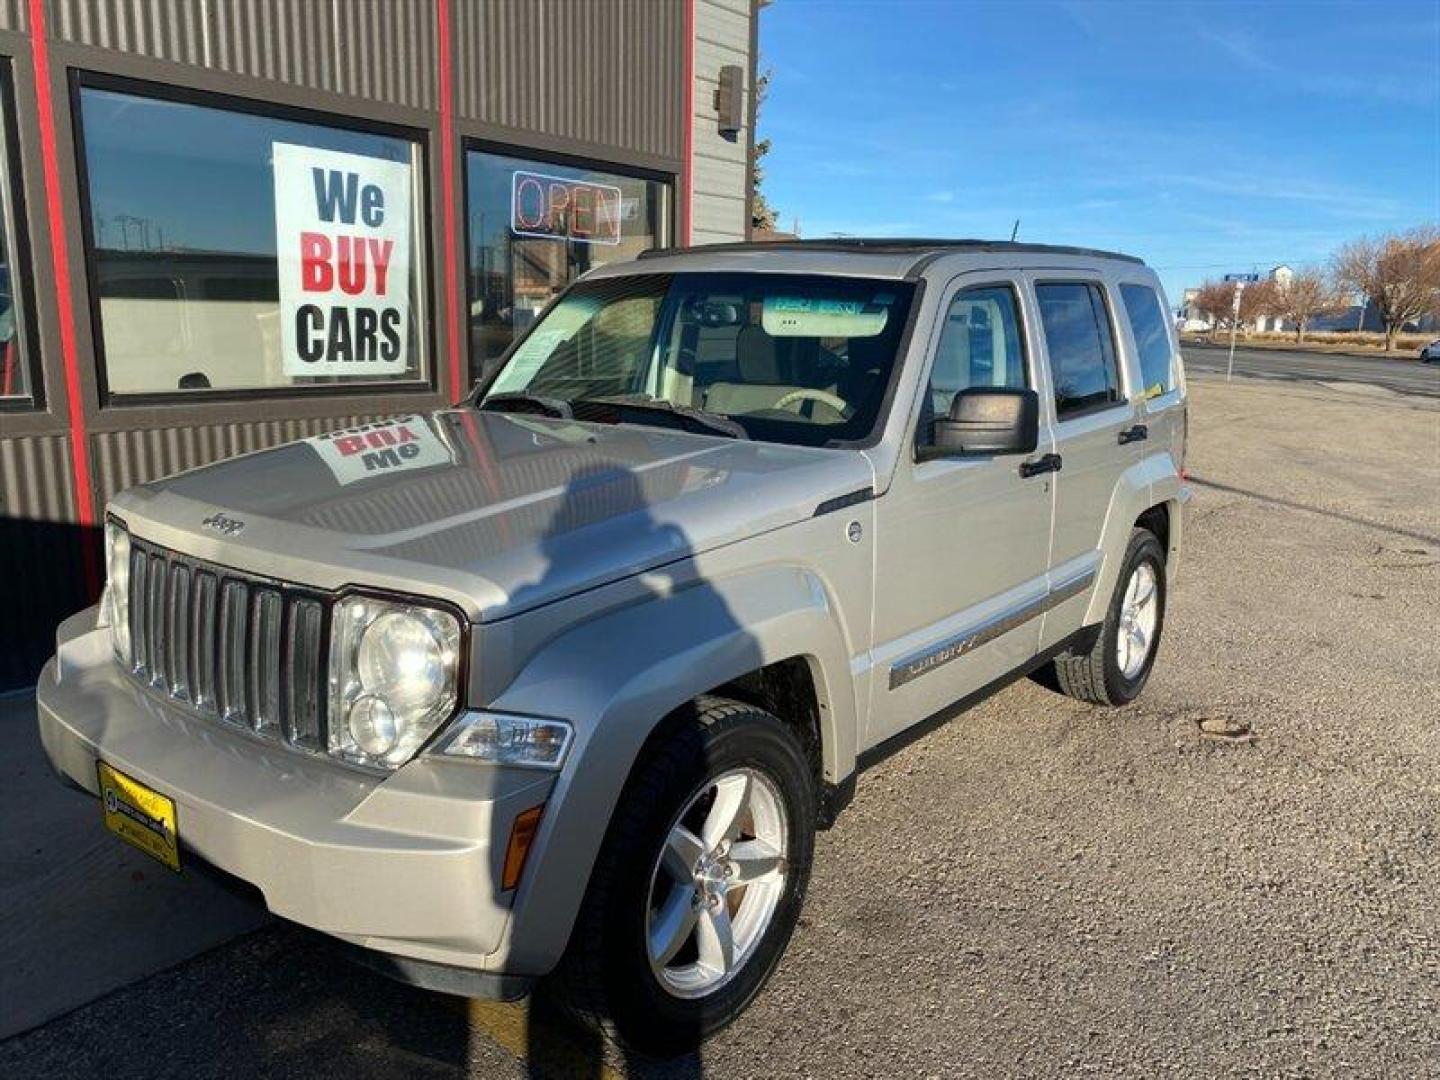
<point x="243" y="649"/>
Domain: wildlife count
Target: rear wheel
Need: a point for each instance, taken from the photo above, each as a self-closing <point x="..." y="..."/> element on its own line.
<point x="699" y="882"/>
<point x="1118" y="664"/>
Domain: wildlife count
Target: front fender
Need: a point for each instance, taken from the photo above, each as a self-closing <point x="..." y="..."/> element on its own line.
<point x="616" y="677"/>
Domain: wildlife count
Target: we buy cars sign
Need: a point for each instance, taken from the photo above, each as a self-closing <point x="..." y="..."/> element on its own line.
<point x="342" y="235"/>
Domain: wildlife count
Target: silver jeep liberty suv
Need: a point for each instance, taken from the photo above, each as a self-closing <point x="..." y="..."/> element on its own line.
<point x="560" y="682"/>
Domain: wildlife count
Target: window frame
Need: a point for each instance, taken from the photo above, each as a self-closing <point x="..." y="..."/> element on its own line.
<point x="1022" y="327"/>
<point x="16" y="237"/>
<point x="1117" y="360"/>
<point x="81" y="79"/>
<point x="478" y="144"/>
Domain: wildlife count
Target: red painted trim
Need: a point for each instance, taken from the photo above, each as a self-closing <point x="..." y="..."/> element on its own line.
<point x="448" y="195"/>
<point x="64" y="301"/>
<point x="687" y="174"/>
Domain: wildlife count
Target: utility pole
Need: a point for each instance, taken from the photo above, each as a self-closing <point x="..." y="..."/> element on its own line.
<point x="1015" y="231"/>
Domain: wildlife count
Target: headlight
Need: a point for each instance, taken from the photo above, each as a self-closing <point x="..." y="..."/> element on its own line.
<point x="394" y="671"/>
<point x="508" y="740"/>
<point x="115" y="608"/>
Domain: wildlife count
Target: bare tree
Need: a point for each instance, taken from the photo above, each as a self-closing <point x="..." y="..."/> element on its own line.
<point x="1399" y="274"/>
<point x="1308" y="293"/>
<point x="1217" y="300"/>
<point x="1257" y="299"/>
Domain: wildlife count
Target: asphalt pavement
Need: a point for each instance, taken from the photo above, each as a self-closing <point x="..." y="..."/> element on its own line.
<point x="1040" y="887"/>
<point x="85" y="915"/>
<point x="1402" y="374"/>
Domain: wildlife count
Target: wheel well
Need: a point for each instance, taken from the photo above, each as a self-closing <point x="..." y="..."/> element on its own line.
<point x="1157" y="521"/>
<point x="785" y="689"/>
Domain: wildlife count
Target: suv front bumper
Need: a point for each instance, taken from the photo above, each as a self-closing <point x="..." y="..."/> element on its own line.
<point x="407" y="864"/>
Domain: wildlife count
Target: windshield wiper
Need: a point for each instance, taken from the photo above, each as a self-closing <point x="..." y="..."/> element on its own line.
<point x="517" y="401"/>
<point x="699" y="418"/>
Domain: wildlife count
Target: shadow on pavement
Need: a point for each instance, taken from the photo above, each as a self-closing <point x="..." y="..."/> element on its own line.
<point x="1338" y="515"/>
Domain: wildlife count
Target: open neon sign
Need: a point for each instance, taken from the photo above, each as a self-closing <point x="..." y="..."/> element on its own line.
<point x="561" y="209"/>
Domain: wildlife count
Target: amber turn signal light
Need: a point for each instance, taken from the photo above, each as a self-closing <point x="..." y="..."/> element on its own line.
<point x="522" y="833"/>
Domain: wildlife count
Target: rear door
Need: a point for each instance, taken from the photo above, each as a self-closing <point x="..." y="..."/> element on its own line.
<point x="1160" y="385"/>
<point x="1095" y="432"/>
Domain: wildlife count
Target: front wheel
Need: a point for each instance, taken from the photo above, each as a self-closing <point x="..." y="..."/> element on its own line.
<point x="1115" y="669"/>
<point x="698" y="884"/>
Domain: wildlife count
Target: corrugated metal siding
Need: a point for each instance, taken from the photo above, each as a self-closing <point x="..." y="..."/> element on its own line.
<point x="14" y="15"/>
<point x="40" y="552"/>
<point x="609" y="72"/>
<point x="388" y="51"/>
<point x="384" y="51"/>
<point x="722" y="36"/>
<point x="123" y="458"/>
<point x="290" y="41"/>
<point x="165" y="29"/>
<point x="35" y="478"/>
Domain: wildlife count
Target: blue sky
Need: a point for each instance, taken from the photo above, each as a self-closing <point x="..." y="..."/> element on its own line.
<point x="1204" y="137"/>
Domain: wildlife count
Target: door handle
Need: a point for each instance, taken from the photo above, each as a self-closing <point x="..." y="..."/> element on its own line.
<point x="1138" y="433"/>
<point x="1043" y="464"/>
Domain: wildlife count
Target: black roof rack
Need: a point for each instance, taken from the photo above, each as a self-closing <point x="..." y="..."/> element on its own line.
<point x="901" y="245"/>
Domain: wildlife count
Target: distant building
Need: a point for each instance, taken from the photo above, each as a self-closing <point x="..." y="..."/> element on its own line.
<point x="1191" y="317"/>
<point x="1281" y="275"/>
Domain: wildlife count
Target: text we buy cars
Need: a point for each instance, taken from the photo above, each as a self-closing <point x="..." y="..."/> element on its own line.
<point x="342" y="234"/>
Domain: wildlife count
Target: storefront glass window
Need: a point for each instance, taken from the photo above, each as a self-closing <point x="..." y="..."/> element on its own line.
<point x="15" y="375"/>
<point x="233" y="251"/>
<point x="534" y="227"/>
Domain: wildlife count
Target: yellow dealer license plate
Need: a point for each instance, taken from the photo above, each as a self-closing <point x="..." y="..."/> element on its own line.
<point x="139" y="816"/>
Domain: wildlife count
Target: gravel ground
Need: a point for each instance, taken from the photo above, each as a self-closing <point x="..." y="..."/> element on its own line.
<point x="1041" y="888"/>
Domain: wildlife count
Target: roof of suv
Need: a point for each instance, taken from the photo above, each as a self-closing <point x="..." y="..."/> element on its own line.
<point x="898" y="257"/>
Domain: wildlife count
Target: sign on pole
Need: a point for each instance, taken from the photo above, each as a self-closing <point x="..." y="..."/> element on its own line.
<point x="1240" y="281"/>
<point x="342" y="236"/>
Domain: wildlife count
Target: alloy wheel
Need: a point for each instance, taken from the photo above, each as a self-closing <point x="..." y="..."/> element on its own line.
<point x="1139" y="615"/>
<point x="716" y="883"/>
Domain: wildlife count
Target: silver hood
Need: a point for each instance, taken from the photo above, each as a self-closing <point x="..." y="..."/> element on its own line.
<point x="496" y="513"/>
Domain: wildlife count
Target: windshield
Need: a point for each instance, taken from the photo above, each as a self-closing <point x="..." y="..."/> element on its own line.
<point x="788" y="358"/>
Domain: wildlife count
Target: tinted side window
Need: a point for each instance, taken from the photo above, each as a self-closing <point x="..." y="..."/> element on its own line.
<point x="979" y="346"/>
<point x="1152" y="339"/>
<point x="1081" y="345"/>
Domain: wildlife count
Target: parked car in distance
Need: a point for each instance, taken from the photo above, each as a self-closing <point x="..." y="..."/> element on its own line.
<point x="560" y="683"/>
<point x="1430" y="353"/>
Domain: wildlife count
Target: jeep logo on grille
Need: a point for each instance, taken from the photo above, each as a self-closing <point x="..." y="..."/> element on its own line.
<point x="227" y="525"/>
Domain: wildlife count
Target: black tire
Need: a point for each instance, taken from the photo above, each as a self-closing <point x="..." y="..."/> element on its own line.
<point x="1095" y="676"/>
<point x="605" y="980"/>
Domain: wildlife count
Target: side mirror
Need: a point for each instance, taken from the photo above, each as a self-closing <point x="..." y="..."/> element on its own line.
<point x="984" y="421"/>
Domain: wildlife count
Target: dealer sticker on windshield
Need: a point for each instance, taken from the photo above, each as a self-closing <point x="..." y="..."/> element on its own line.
<point x="820" y="316"/>
<point x="139" y="815"/>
